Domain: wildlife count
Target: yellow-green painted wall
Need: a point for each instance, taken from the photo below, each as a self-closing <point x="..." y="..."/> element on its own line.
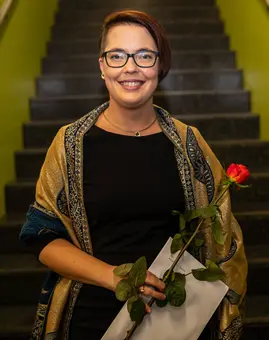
<point x="247" y="24"/>
<point x="22" y="45"/>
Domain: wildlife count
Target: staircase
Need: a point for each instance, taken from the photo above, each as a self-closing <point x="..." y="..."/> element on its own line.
<point x="204" y="89"/>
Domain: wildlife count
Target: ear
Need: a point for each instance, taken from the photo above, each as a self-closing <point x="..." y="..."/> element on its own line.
<point x="101" y="64"/>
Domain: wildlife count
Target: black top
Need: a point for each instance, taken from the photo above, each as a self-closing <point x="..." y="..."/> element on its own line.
<point x="131" y="186"/>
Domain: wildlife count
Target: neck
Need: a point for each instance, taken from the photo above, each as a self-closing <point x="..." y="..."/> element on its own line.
<point x="131" y="119"/>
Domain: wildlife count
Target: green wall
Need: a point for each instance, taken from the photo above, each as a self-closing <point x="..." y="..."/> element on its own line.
<point x="22" y="44"/>
<point x="247" y="24"/>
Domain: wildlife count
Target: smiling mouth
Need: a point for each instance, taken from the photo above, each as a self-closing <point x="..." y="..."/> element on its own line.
<point x="131" y="85"/>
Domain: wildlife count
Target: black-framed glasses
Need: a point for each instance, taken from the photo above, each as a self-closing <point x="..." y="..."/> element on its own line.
<point x="145" y="58"/>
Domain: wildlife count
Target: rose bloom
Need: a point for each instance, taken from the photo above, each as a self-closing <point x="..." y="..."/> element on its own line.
<point x="238" y="173"/>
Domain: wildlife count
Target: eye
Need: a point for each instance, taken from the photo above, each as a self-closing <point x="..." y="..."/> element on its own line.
<point x="145" y="55"/>
<point x="116" y="55"/>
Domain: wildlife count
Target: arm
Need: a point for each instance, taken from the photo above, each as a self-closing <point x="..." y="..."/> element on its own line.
<point x="69" y="261"/>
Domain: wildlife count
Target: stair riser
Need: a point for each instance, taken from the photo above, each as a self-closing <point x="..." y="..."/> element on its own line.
<point x="19" y="197"/>
<point x="180" y="61"/>
<point x="182" y="43"/>
<point x="9" y="240"/>
<point x="132" y="4"/>
<point x="28" y="165"/>
<point x="93" y="31"/>
<point x="23" y="288"/>
<point x="256" y="332"/>
<point x="10" y="244"/>
<point x="30" y="284"/>
<point x="36" y="136"/>
<point x="72" y="108"/>
<point x="255" y="229"/>
<point x="160" y="13"/>
<point x="173" y="82"/>
<point x="258" y="279"/>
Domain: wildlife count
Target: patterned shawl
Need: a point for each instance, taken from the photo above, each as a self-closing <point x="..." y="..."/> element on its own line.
<point x="59" y="209"/>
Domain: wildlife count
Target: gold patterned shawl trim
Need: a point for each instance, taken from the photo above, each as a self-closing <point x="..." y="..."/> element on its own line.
<point x="200" y="173"/>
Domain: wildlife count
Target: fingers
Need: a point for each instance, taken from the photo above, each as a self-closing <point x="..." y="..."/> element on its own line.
<point x="148" y="291"/>
<point x="152" y="280"/>
<point x="148" y="309"/>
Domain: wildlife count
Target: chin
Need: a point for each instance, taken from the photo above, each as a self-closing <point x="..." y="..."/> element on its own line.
<point x="133" y="103"/>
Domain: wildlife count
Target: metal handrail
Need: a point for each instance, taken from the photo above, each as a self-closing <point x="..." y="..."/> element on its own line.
<point x="4" y="10"/>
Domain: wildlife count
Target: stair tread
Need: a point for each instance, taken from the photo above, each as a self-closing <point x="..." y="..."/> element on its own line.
<point x="164" y="22"/>
<point x="244" y="142"/>
<point x="170" y="36"/>
<point x="183" y="7"/>
<point x="16" y="319"/>
<point x="173" y="71"/>
<point x="15" y="263"/>
<point x="174" y="52"/>
<point x="167" y="93"/>
<point x="178" y="116"/>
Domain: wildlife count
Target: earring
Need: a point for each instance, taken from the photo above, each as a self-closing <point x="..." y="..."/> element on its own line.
<point x="102" y="76"/>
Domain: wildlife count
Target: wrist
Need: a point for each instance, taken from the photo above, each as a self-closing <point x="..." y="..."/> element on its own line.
<point x="113" y="279"/>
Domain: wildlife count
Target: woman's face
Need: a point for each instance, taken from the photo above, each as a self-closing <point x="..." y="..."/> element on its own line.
<point x="130" y="86"/>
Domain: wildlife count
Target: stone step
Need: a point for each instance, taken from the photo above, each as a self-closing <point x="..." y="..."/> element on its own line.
<point x="10" y="227"/>
<point x="78" y="4"/>
<point x="17" y="320"/>
<point x="252" y="153"/>
<point x="182" y="102"/>
<point x="26" y="272"/>
<point x="20" y="194"/>
<point x="92" y="30"/>
<point x="258" y="261"/>
<point x="213" y="127"/>
<point x="55" y="86"/>
<point x="159" y="12"/>
<point x="178" y="42"/>
<point x="21" y="277"/>
<point x="254" y="224"/>
<point x="180" y="60"/>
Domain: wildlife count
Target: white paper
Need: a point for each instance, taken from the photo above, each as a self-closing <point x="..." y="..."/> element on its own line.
<point x="174" y="323"/>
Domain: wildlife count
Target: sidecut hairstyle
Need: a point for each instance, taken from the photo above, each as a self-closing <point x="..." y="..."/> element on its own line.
<point x="151" y="24"/>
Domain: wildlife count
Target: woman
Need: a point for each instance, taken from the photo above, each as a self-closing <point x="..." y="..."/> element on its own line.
<point x="107" y="188"/>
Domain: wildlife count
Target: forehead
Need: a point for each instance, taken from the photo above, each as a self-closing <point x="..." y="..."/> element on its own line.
<point x="129" y="37"/>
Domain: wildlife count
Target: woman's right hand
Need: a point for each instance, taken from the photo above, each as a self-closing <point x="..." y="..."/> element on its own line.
<point x="153" y="287"/>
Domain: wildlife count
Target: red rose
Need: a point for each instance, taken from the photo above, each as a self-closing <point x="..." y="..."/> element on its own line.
<point x="238" y="173"/>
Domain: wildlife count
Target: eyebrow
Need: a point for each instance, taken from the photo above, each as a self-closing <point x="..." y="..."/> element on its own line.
<point x="122" y="50"/>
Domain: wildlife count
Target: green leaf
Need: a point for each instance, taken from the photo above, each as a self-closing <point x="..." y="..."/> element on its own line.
<point x="182" y="222"/>
<point x="180" y="278"/>
<point x="176" y="244"/>
<point x="205" y="212"/>
<point x="137" y="311"/>
<point x="123" y="290"/>
<point x="162" y="303"/>
<point x="130" y="303"/>
<point x="198" y="242"/>
<point x="211" y="273"/>
<point x="243" y="186"/>
<point x="138" y="273"/>
<point x="175" y="213"/>
<point x="217" y="231"/>
<point x="176" y="293"/>
<point x="123" y="270"/>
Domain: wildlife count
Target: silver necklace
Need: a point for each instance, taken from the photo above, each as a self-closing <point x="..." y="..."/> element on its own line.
<point x="136" y="133"/>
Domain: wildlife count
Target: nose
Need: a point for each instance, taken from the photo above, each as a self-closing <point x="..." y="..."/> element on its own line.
<point x="130" y="65"/>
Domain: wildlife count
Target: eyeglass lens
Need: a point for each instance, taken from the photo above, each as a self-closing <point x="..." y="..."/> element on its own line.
<point x="143" y="58"/>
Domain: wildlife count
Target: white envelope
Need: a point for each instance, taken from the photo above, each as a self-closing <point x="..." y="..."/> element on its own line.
<point x="170" y="323"/>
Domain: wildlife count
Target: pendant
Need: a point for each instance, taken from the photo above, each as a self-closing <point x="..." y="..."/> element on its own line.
<point x="137" y="134"/>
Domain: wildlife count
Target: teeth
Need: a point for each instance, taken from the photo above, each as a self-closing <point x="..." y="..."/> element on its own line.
<point x="131" y="83"/>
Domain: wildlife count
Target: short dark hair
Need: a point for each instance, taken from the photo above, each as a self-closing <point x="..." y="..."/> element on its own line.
<point x="151" y="24"/>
